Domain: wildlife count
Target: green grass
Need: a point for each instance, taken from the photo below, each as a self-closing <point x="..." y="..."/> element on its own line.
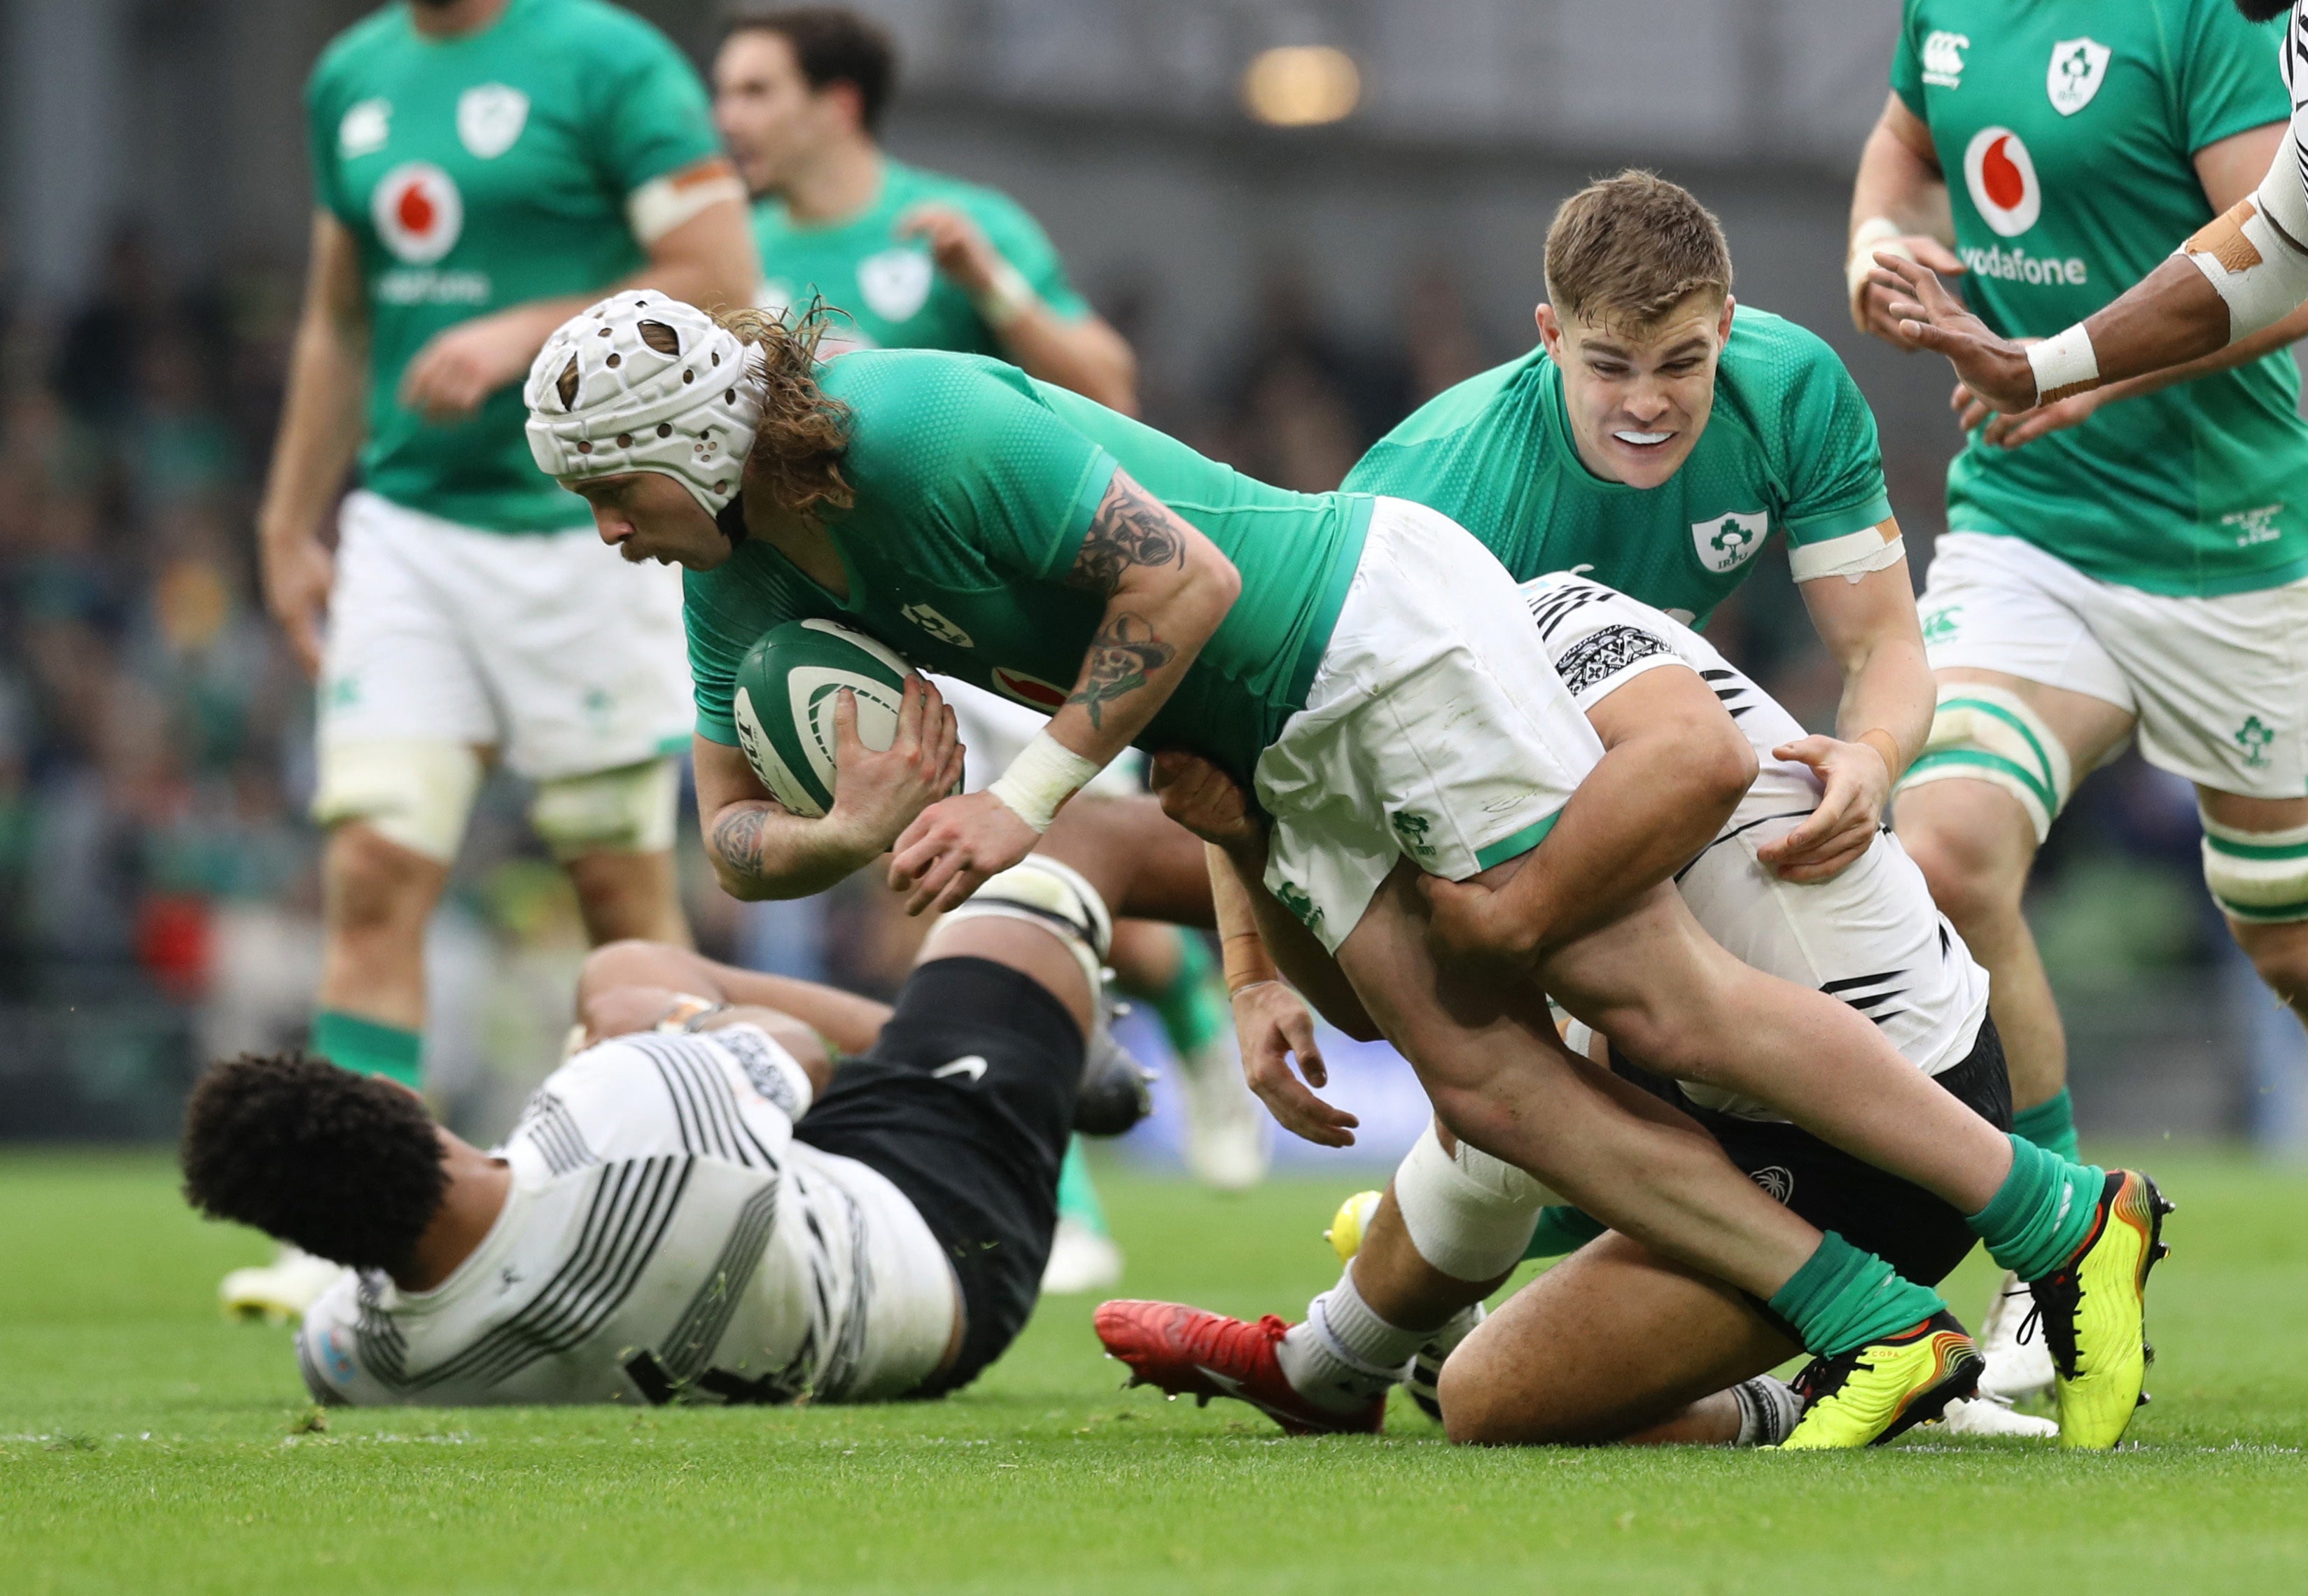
<point x="147" y="1445"/>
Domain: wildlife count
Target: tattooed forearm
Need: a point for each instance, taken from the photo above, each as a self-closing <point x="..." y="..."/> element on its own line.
<point x="738" y="839"/>
<point x="1129" y="529"/>
<point x="1121" y="656"/>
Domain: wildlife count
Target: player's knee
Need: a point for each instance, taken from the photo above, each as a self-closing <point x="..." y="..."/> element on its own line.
<point x="626" y="811"/>
<point x="375" y="887"/>
<point x="1969" y="876"/>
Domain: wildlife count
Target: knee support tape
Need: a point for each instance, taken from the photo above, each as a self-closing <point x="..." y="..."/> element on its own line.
<point x="1057" y="897"/>
<point x="2257" y="875"/>
<point x="628" y="810"/>
<point x="413" y="791"/>
<point x="1986" y="734"/>
<point x="2255" y="254"/>
<point x="1469" y="1214"/>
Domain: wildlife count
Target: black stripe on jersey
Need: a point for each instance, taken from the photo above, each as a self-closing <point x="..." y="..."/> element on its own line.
<point x="634" y="1204"/>
<point x="1602" y="654"/>
<point x="1728" y="833"/>
<point x="698" y="1331"/>
<point x="840" y="1368"/>
<point x="323" y="1393"/>
<point x="383" y="1351"/>
<point x="552" y="1129"/>
<point x="1848" y="990"/>
<point x="704" y="1103"/>
<point x="1560" y="600"/>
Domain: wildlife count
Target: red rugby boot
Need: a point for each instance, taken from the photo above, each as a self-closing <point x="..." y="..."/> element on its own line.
<point x="1189" y="1352"/>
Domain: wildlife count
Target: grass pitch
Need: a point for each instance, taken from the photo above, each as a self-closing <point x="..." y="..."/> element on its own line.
<point x="147" y="1445"/>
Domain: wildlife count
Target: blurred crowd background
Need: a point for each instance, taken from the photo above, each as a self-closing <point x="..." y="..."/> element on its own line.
<point x="1292" y="291"/>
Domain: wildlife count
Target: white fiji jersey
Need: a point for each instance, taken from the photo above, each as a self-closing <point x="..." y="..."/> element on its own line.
<point x="1871" y="936"/>
<point x="665" y="1236"/>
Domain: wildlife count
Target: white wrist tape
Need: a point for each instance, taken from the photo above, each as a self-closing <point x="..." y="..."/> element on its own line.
<point x="2064" y="364"/>
<point x="1469" y="1214"/>
<point x="1041" y="778"/>
<point x="1007" y="298"/>
<point x="1851" y="557"/>
<point x="2255" y="256"/>
<point x="1878" y="235"/>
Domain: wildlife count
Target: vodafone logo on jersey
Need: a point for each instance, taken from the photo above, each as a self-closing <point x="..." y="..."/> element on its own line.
<point x="417" y="211"/>
<point x="2002" y="178"/>
<point x="1046" y="696"/>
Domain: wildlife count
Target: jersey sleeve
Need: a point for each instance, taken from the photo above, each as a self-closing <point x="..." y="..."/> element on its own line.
<point x="2228" y="75"/>
<point x="651" y="114"/>
<point x="968" y="441"/>
<point x="323" y="117"/>
<point x="1907" y="63"/>
<point x="1599" y="640"/>
<point x="724" y="611"/>
<point x="1020" y="241"/>
<point x="1833" y="464"/>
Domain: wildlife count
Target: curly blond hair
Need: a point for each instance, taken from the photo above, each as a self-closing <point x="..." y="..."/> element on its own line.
<point x="795" y="459"/>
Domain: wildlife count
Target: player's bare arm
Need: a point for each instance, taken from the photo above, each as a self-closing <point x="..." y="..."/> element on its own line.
<point x="1166" y="589"/>
<point x="1086" y="356"/>
<point x="1674" y="768"/>
<point x="848" y="1022"/>
<point x="2172" y="326"/>
<point x="1898" y="206"/>
<point x="321" y="428"/>
<point x="706" y="260"/>
<point x="760" y="849"/>
<point x="1870" y="628"/>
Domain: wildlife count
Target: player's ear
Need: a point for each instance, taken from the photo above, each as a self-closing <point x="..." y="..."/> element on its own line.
<point x="1723" y="327"/>
<point x="1550" y="325"/>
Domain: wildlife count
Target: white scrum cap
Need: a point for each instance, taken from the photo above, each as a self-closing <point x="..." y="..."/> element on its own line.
<point x="642" y="382"/>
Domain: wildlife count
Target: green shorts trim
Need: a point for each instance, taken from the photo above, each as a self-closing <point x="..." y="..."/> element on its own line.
<point x="1518" y="845"/>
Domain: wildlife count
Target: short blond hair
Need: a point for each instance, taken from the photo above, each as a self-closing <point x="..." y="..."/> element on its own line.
<point x="1624" y="252"/>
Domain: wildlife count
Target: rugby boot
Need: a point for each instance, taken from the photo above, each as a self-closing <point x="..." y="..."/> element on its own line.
<point x="1874" y="1393"/>
<point x="2094" y="1309"/>
<point x="1229" y="1136"/>
<point x="1186" y="1351"/>
<point x="1426" y="1363"/>
<point x="279" y="1292"/>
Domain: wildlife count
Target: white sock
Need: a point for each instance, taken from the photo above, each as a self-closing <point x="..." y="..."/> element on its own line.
<point x="1768" y="1411"/>
<point x="1343" y="1354"/>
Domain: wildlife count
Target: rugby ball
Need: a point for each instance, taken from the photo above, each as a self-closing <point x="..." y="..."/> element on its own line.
<point x="787" y="687"/>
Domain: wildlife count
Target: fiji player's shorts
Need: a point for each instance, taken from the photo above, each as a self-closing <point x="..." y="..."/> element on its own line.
<point x="546" y="646"/>
<point x="1435" y="728"/>
<point x="2220" y="685"/>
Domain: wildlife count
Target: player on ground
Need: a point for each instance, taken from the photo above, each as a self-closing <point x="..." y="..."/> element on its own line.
<point x="1655" y="439"/>
<point x="701" y="1205"/>
<point x="1616" y="1344"/>
<point x="484" y="168"/>
<point x="2127" y="561"/>
<point x="912" y="259"/>
<point x="1352" y="652"/>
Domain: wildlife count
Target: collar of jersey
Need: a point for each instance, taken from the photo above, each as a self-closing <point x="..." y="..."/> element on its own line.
<point x="478" y="1262"/>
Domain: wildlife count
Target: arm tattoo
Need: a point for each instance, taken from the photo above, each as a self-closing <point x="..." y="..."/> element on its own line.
<point x="737" y="840"/>
<point x="1129" y="529"/>
<point x="1121" y="656"/>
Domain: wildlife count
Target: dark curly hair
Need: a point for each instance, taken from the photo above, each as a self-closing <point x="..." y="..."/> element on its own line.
<point x="795" y="461"/>
<point x="346" y="1167"/>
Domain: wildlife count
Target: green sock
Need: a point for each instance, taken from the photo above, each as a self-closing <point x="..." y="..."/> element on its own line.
<point x="1842" y="1299"/>
<point x="1194" y="1008"/>
<point x="366" y="1048"/>
<point x="1562" y="1230"/>
<point x="1077" y="1198"/>
<point x="2042" y="1212"/>
<point x="2051" y="1124"/>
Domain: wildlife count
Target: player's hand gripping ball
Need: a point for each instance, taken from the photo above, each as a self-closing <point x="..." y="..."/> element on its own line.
<point x="787" y="687"/>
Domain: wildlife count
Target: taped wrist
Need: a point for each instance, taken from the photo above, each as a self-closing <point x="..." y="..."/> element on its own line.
<point x="2255" y="254"/>
<point x="1006" y="298"/>
<point x="2064" y="364"/>
<point x="1878" y="235"/>
<point x="1041" y="778"/>
<point x="1469" y="1215"/>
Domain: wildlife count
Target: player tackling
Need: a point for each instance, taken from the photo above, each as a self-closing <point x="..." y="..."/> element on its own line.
<point x="1351" y="654"/>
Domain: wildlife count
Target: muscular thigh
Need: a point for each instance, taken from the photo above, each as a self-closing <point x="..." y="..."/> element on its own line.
<point x="1607" y="1342"/>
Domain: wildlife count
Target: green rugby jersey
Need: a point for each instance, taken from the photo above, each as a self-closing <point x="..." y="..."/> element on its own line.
<point x="887" y="287"/>
<point x="1790" y="448"/>
<point x="2066" y="129"/>
<point x="481" y="172"/>
<point x="974" y="486"/>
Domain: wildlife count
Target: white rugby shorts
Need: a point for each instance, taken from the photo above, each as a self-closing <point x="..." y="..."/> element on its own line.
<point x="1435" y="728"/>
<point x="545" y="645"/>
<point x="2219" y="686"/>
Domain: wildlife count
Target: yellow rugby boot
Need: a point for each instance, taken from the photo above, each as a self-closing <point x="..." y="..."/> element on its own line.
<point x="2093" y="1312"/>
<point x="1865" y="1397"/>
